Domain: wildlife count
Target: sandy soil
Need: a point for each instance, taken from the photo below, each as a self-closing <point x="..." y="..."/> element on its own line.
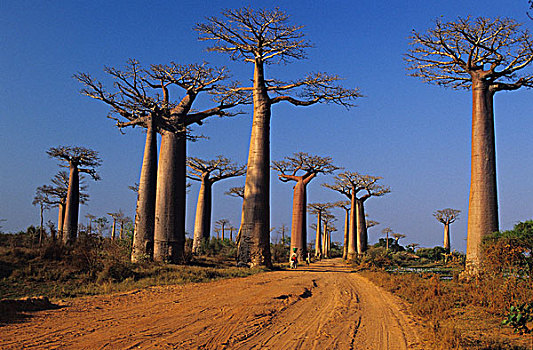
<point x="324" y="306"/>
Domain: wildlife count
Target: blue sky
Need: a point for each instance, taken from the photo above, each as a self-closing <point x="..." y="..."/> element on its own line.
<point x="416" y="136"/>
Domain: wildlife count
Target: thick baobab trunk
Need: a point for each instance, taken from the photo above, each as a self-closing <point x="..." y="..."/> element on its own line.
<point x="202" y="223"/>
<point x="169" y="229"/>
<point x="346" y="233"/>
<point x="362" y="235"/>
<point x="254" y="244"/>
<point x="352" y="236"/>
<point x="143" y="235"/>
<point x="318" y="242"/>
<point x="60" y="220"/>
<point x="447" y="237"/>
<point x="299" y="220"/>
<point x="70" y="226"/>
<point x="483" y="202"/>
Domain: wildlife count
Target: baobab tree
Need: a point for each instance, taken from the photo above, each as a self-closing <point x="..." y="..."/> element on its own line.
<point x="484" y="55"/>
<point x="387" y="231"/>
<point x="397" y="236"/>
<point x="328" y="227"/>
<point x="143" y="98"/>
<point x="57" y="196"/>
<point x="346" y="206"/>
<point x="318" y="209"/>
<point x="262" y="37"/>
<point x="221" y="224"/>
<point x="446" y="217"/>
<point x="79" y="160"/>
<point x="208" y="172"/>
<point x="116" y="216"/>
<point x="350" y="184"/>
<point x="301" y="168"/>
<point x="44" y="203"/>
<point x="91" y="217"/>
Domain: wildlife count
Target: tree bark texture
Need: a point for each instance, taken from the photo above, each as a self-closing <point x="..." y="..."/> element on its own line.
<point x="352" y="237"/>
<point x="318" y="242"/>
<point x="362" y="235"/>
<point x="202" y="223"/>
<point x="299" y="220"/>
<point x="447" y="237"/>
<point x="346" y="233"/>
<point x="143" y="236"/>
<point x="254" y="244"/>
<point x="169" y="229"/>
<point x="70" y="226"/>
<point x="483" y="201"/>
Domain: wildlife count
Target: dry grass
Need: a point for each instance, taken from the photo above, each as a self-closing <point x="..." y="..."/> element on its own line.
<point x="461" y="315"/>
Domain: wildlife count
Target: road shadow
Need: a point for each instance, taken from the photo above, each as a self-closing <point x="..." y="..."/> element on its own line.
<point x="13" y="311"/>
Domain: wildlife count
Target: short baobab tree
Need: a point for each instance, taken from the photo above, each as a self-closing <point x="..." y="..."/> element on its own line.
<point x="142" y="97"/>
<point x="346" y="206"/>
<point x="319" y="209"/>
<point x="486" y="56"/>
<point x="208" y="172"/>
<point x="351" y="184"/>
<point x="261" y="37"/>
<point x="79" y="160"/>
<point x="446" y="217"/>
<point x="301" y="168"/>
<point x="397" y="236"/>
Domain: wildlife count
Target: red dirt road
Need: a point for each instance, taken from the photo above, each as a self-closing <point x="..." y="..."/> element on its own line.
<point x="324" y="306"/>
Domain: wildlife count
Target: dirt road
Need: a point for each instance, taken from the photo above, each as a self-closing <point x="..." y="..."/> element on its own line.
<point x="324" y="306"/>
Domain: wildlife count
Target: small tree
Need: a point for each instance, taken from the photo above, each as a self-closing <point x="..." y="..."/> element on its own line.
<point x="386" y="231"/>
<point x="208" y="172"/>
<point x="446" y="217"/>
<point x="261" y="37"/>
<point x="301" y="168"/>
<point x="43" y="201"/>
<point x="484" y="55"/>
<point x="221" y="224"/>
<point x="78" y="159"/>
<point x="91" y="218"/>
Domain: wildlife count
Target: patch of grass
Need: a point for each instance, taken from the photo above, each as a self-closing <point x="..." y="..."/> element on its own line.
<point x="98" y="266"/>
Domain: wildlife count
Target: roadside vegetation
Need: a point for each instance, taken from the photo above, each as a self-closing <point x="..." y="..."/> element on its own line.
<point x="488" y="311"/>
<point x="98" y="265"/>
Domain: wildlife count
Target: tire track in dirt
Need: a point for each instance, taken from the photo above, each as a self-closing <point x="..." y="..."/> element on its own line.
<point x="323" y="306"/>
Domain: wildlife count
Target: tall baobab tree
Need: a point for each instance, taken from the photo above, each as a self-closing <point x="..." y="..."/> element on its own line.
<point x="346" y="206"/>
<point x="262" y="37"/>
<point x="143" y="98"/>
<point x="319" y="209"/>
<point x="301" y="168"/>
<point x="79" y="160"/>
<point x="116" y="216"/>
<point x="447" y="216"/>
<point x="484" y="55"/>
<point x="351" y="184"/>
<point x="208" y="172"/>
